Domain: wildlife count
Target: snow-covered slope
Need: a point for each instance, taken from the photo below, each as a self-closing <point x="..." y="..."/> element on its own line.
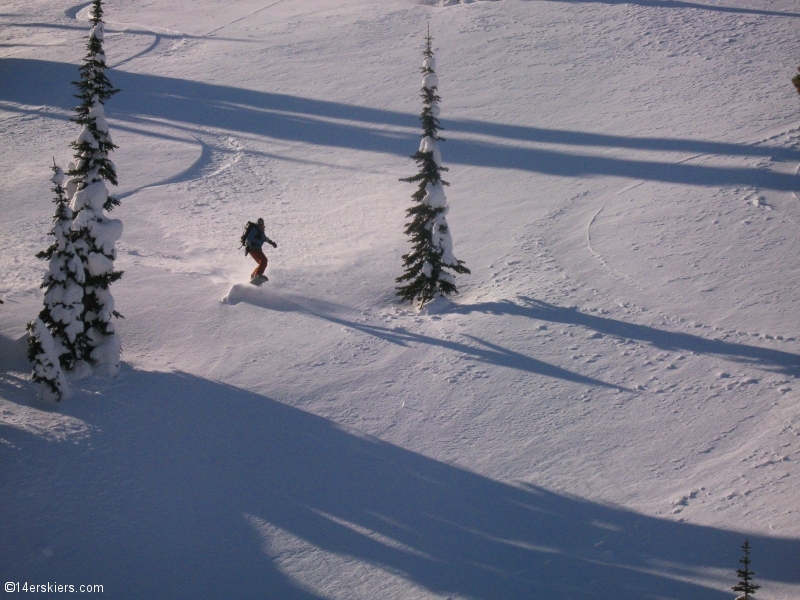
<point x="608" y="409"/>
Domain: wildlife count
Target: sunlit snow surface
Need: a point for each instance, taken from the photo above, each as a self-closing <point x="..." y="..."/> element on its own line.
<point x="606" y="410"/>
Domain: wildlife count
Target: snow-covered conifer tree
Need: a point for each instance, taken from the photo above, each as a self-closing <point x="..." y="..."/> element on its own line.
<point x="430" y="262"/>
<point x="94" y="234"/>
<point x="47" y="370"/>
<point x="64" y="280"/>
<point x="745" y="585"/>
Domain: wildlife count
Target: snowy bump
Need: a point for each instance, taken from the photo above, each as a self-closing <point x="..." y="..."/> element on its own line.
<point x="93" y="196"/>
<point x="107" y="354"/>
<point x="98" y="114"/>
<point x="428" y="144"/>
<point x="58" y="176"/>
<point x="99" y="264"/>
<point x="430" y="81"/>
<point x="87" y="137"/>
<point x="434" y="196"/>
<point x="106" y="233"/>
<point x="97" y="32"/>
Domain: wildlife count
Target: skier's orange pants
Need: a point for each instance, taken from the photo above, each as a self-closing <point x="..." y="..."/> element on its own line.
<point x="261" y="259"/>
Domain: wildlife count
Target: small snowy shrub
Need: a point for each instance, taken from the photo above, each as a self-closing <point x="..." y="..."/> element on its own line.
<point x="430" y="266"/>
<point x="94" y="234"/>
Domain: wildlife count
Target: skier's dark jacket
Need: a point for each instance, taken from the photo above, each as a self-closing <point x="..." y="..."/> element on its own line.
<point x="256" y="238"/>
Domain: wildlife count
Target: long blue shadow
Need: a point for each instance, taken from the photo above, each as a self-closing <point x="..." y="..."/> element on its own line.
<point x="480" y="350"/>
<point x="681" y="4"/>
<point x="318" y="122"/>
<point x="773" y="360"/>
<point x="184" y="485"/>
<point x="597" y="140"/>
<point x="483" y="351"/>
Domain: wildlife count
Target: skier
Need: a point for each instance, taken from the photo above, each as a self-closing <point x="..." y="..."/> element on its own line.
<point x="255" y="240"/>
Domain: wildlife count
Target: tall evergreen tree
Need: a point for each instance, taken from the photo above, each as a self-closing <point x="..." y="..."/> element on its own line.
<point x="796" y="81"/>
<point x="95" y="235"/>
<point x="429" y="264"/>
<point x="63" y="282"/>
<point x="745" y="575"/>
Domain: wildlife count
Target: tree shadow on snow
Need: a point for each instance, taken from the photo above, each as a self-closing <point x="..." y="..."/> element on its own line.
<point x="480" y="350"/>
<point x="14" y="354"/>
<point x="189" y="488"/>
<point x="682" y="4"/>
<point x="777" y="361"/>
<point x="189" y="104"/>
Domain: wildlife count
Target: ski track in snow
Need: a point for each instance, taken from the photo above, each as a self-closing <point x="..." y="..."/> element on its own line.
<point x="270" y="5"/>
<point x="81" y="12"/>
<point x="633" y="281"/>
<point x="599" y="257"/>
<point x="206" y="158"/>
<point x="209" y="172"/>
<point x="797" y="174"/>
<point x="150" y="48"/>
<point x="619" y="193"/>
<point x="72" y="12"/>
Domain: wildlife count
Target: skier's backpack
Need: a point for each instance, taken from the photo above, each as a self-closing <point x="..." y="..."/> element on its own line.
<point x="245" y="233"/>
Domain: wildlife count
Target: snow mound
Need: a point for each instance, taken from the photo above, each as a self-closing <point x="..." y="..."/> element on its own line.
<point x="436" y="306"/>
<point x="430" y="81"/>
